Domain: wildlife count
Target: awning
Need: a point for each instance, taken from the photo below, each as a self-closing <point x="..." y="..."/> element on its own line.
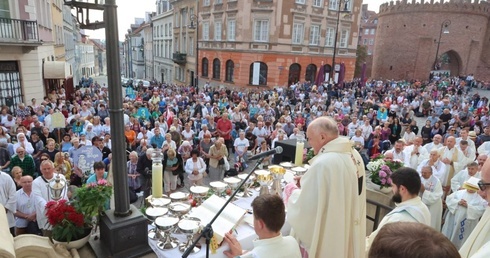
<point x="56" y="70"/>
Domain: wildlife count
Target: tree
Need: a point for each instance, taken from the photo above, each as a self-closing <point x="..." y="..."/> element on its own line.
<point x="361" y="54"/>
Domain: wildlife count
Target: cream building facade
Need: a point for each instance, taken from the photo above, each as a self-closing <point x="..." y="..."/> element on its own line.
<point x="162" y="23"/>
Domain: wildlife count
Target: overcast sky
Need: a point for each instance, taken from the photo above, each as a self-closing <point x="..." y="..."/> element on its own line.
<point x="129" y="9"/>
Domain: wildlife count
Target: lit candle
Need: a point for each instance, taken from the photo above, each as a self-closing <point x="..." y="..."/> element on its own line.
<point x="298" y="159"/>
<point x="157" y="180"/>
<point x="157" y="174"/>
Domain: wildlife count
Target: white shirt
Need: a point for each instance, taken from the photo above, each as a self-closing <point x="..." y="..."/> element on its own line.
<point x="26" y="205"/>
<point x="277" y="247"/>
<point x="40" y="190"/>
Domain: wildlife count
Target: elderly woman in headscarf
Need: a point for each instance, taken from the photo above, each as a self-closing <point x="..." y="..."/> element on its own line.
<point x="24" y="143"/>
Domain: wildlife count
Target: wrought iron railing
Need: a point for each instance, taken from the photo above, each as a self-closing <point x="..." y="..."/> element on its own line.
<point x="377" y="214"/>
<point x="13" y="30"/>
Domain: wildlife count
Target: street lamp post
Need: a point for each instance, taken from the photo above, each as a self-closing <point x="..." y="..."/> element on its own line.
<point x="123" y="230"/>
<point x="346" y="10"/>
<point x="444" y="29"/>
<point x="195" y="25"/>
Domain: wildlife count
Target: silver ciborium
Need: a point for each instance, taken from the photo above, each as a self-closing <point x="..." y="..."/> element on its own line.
<point x="179" y="209"/>
<point x="247" y="192"/>
<point x="152" y="214"/>
<point x="190" y="227"/>
<point x="219" y="187"/>
<point x="167" y="224"/>
<point x="199" y="192"/>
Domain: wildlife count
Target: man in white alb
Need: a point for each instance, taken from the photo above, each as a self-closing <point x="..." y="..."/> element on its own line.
<point x="409" y="206"/>
<point x="431" y="194"/>
<point x="397" y="151"/>
<point x="415" y="153"/>
<point x="462" y="176"/>
<point x="8" y="199"/>
<point x="436" y="143"/>
<point x="438" y="168"/>
<point x="454" y="160"/>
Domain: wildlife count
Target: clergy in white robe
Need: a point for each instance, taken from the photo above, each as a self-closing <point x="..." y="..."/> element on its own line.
<point x="484" y="148"/>
<point x="40" y="190"/>
<point x="431" y="194"/>
<point x="435" y="144"/>
<point x="462" y="176"/>
<point x="415" y="153"/>
<point x="438" y="168"/>
<point x="454" y="160"/>
<point x="8" y="197"/>
<point x="477" y="244"/>
<point x="328" y="214"/>
<point x="397" y="150"/>
<point x="469" y="153"/>
<point x="464" y="136"/>
<point x="409" y="206"/>
<point x="465" y="209"/>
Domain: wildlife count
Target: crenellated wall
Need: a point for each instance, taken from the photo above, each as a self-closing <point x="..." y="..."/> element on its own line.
<point x="408" y="34"/>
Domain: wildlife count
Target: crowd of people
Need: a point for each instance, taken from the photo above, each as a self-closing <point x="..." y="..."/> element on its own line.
<point x="213" y="131"/>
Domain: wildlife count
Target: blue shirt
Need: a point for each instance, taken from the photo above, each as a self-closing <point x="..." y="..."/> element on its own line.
<point x="157" y="140"/>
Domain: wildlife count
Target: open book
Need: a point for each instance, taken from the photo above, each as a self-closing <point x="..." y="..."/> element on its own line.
<point x="226" y="221"/>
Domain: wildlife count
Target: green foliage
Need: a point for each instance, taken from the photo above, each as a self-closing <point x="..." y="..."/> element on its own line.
<point x="91" y="198"/>
<point x="361" y="54"/>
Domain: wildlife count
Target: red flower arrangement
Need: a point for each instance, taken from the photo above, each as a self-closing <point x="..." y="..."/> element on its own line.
<point x="67" y="223"/>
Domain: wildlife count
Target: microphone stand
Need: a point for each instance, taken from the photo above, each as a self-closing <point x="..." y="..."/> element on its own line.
<point x="207" y="232"/>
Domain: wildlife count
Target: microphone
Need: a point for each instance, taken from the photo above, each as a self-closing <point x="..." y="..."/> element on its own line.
<point x="277" y="150"/>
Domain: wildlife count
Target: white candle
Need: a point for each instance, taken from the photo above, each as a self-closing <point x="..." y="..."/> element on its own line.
<point x="298" y="158"/>
<point x="157" y="180"/>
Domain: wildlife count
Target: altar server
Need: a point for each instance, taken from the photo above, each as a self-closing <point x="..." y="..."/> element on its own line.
<point x="431" y="194"/>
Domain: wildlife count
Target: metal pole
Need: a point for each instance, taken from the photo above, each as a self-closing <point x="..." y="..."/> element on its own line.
<point x="438" y="45"/>
<point x="332" y="72"/>
<point x="118" y="163"/>
<point x="196" y="83"/>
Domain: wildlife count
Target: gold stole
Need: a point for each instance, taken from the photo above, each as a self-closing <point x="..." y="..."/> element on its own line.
<point x="451" y="167"/>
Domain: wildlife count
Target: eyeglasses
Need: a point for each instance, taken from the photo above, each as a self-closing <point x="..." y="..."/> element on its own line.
<point x="482" y="185"/>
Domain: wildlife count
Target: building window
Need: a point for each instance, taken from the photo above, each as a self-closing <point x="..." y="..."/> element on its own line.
<point x="315" y="35"/>
<point x="205" y="3"/>
<point x="344" y="38"/>
<point x="364" y="41"/>
<point x="317" y="3"/>
<point x="261" y="31"/>
<point x="258" y="74"/>
<point x="230" y="69"/>
<point x="333" y="4"/>
<point x="230" y="30"/>
<point x="294" y="73"/>
<point x="310" y="73"/>
<point x="330" y="37"/>
<point x="371" y="42"/>
<point x="300" y="1"/>
<point x="366" y="32"/>
<point x="205" y="30"/>
<point x="217" y="31"/>
<point x="297" y="33"/>
<point x="218" y="1"/>
<point x="373" y="31"/>
<point x="216" y="69"/>
<point x="204" y="65"/>
<point x="370" y="52"/>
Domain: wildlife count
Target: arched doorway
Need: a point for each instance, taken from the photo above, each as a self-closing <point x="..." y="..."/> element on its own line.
<point x="326" y="71"/>
<point x="310" y="73"/>
<point x="294" y="73"/>
<point x="451" y="61"/>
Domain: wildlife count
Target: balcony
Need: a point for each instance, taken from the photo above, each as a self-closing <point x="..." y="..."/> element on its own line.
<point x="19" y="32"/>
<point x="179" y="58"/>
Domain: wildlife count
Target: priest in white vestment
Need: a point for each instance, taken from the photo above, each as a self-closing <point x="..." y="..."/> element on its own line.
<point x="465" y="209"/>
<point x="431" y="194"/>
<point x="438" y="168"/>
<point x="435" y="144"/>
<point x="464" y="135"/>
<point x="8" y="198"/>
<point x="454" y="160"/>
<point x="397" y="150"/>
<point x="462" y="176"/>
<point x="469" y="153"/>
<point x="478" y="243"/>
<point x="43" y="196"/>
<point x="484" y="148"/>
<point x="328" y="214"/>
<point x="409" y="206"/>
<point x="415" y="153"/>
